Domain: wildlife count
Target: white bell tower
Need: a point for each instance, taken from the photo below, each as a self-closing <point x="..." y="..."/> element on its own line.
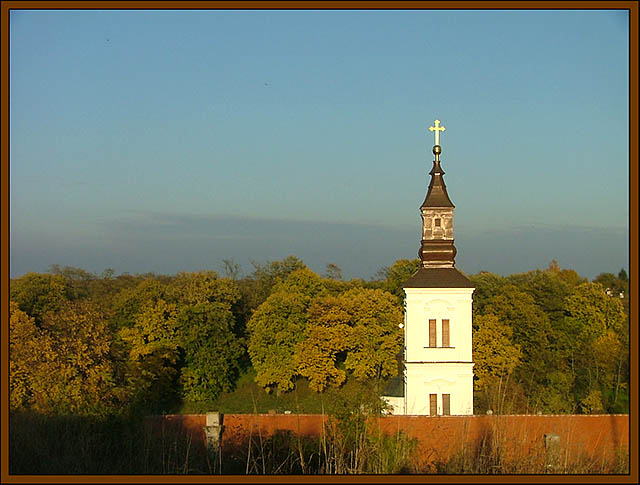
<point x="438" y="365"/>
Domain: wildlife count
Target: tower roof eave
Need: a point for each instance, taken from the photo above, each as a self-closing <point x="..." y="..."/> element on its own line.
<point x="438" y="278"/>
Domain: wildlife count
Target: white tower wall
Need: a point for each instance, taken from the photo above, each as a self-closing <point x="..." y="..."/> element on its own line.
<point x="438" y="370"/>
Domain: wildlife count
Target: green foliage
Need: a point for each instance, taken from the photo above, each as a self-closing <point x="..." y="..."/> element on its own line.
<point x="572" y="336"/>
<point x="361" y="327"/>
<point x="130" y="301"/>
<point x="494" y="354"/>
<point x="211" y="351"/>
<point x="488" y="285"/>
<point x="267" y="275"/>
<point x="202" y="287"/>
<point x="496" y="357"/>
<point x="375" y="338"/>
<point x="393" y="278"/>
<point x="257" y="287"/>
<point x="93" y="344"/>
<point x="152" y="354"/>
<point x="598" y="351"/>
<point x="277" y="326"/>
<point x="531" y="333"/>
<point x="549" y="288"/>
<point x="598" y="312"/>
<point x="37" y="294"/>
<point x="326" y="335"/>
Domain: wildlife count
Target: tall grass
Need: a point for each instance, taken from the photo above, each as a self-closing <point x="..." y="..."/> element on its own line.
<point x="62" y="445"/>
<point x="353" y="444"/>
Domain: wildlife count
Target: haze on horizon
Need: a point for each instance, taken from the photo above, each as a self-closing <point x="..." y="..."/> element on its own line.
<point x="162" y="141"/>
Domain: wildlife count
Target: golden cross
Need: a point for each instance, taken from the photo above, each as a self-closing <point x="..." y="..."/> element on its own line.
<point x="437" y="129"/>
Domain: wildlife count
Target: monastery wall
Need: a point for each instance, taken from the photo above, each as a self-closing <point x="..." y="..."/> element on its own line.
<point x="525" y="438"/>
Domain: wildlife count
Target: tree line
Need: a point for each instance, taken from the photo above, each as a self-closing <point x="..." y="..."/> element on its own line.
<point x="85" y="344"/>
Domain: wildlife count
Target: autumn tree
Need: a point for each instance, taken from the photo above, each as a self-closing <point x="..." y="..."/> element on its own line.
<point x="487" y="286"/>
<point x="597" y="321"/>
<point x="129" y="302"/>
<point x="496" y="357"/>
<point x="190" y="288"/>
<point x="66" y="366"/>
<point x="23" y="356"/>
<point x="256" y="287"/>
<point x="37" y="294"/>
<point x="278" y="325"/>
<point x="549" y="288"/>
<point x="78" y="281"/>
<point x="152" y="344"/>
<point x="531" y="331"/>
<point x="325" y="336"/>
<point x="616" y="286"/>
<point x="392" y="278"/>
<point x="358" y="331"/>
<point x="376" y="337"/>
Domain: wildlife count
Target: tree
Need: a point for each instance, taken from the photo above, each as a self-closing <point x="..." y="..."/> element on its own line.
<point x="277" y="326"/>
<point x="130" y="301"/>
<point x="333" y="271"/>
<point x="266" y="276"/>
<point x="548" y="288"/>
<point x="211" y="351"/>
<point x="66" y="366"/>
<point x="78" y="281"/>
<point x="202" y="287"/>
<point x="495" y="356"/>
<point x="376" y="338"/>
<point x="152" y="355"/>
<point x="23" y="352"/>
<point x="37" y="294"/>
<point x="487" y="286"/>
<point x="598" y="323"/>
<point x="358" y="330"/>
<point x="531" y="331"/>
<point x="589" y="304"/>
<point x="231" y="269"/>
<point x="327" y="335"/>
<point x="256" y="288"/>
<point x="395" y="276"/>
<point x="616" y="287"/>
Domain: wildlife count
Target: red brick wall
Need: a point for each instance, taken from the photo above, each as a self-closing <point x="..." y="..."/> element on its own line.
<point x="518" y="437"/>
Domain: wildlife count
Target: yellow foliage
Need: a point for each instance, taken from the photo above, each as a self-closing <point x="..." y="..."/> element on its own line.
<point x="494" y="354"/>
<point x="65" y="366"/>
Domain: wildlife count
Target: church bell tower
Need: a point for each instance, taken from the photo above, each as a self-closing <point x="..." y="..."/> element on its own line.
<point x="438" y="365"/>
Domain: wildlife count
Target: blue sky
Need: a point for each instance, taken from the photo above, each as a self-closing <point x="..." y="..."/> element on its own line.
<point x="171" y="140"/>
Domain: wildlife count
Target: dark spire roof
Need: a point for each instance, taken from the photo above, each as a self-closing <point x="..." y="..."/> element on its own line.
<point x="437" y="194"/>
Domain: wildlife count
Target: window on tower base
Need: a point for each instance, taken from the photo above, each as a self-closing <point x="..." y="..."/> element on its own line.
<point x="446" y="404"/>
<point x="433" y="404"/>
